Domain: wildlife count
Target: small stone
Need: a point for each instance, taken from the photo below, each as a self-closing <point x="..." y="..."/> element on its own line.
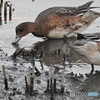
<point x="38" y="82"/>
<point x="11" y="79"/>
<point x="6" y="54"/>
<point x="14" y="89"/>
<point x="15" y="64"/>
<point x="18" y="92"/>
<point x="46" y="73"/>
<point x="21" y="63"/>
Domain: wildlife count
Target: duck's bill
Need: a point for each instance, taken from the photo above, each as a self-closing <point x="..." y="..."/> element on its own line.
<point x="17" y="38"/>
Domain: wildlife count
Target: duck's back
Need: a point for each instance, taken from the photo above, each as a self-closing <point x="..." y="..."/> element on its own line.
<point x="60" y="11"/>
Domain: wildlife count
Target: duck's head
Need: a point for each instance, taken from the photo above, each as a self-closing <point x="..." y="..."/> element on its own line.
<point x="24" y="29"/>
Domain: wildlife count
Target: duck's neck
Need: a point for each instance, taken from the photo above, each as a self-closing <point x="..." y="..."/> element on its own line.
<point x="32" y="27"/>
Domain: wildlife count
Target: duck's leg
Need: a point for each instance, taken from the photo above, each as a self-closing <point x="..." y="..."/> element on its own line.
<point x="92" y="69"/>
<point x="37" y="72"/>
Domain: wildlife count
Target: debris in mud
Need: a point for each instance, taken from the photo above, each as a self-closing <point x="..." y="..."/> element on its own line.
<point x="1" y="4"/>
<point x="5" y="78"/>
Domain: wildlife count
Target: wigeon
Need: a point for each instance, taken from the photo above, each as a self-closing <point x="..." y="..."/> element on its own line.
<point x="88" y="48"/>
<point x="56" y="22"/>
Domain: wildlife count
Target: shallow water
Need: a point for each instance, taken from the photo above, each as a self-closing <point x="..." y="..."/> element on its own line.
<point x="27" y="11"/>
<point x="75" y="69"/>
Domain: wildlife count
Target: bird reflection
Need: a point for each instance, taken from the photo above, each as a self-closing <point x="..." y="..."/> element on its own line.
<point x="51" y="51"/>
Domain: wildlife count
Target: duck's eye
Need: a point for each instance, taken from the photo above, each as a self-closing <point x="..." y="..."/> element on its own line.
<point x="21" y="30"/>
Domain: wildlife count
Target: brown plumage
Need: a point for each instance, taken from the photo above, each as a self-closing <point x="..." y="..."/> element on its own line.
<point x="56" y="22"/>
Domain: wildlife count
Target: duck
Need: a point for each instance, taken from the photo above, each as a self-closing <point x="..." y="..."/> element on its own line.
<point x="87" y="47"/>
<point x="55" y="22"/>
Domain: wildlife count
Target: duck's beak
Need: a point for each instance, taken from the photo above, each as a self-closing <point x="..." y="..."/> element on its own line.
<point x="17" y="38"/>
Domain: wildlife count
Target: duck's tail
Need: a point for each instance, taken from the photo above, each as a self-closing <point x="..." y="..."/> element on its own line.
<point x="85" y="7"/>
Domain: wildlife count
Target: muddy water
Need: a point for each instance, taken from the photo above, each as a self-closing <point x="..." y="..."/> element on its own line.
<point x="75" y="70"/>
